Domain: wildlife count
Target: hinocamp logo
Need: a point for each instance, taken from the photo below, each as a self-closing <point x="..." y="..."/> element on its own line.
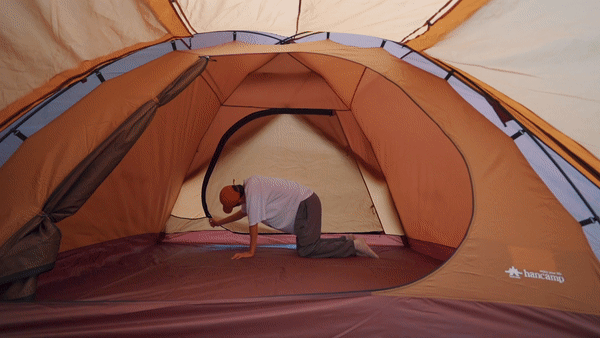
<point x="542" y="274"/>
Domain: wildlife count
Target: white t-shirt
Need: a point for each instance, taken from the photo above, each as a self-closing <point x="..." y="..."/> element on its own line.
<point x="273" y="201"/>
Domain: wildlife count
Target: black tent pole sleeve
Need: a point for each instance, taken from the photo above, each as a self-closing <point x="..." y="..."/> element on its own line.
<point x="241" y="123"/>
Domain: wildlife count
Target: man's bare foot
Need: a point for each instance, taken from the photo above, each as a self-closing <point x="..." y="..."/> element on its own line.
<point x="362" y="248"/>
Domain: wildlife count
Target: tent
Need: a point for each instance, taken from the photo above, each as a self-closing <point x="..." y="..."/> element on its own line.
<point x="396" y="153"/>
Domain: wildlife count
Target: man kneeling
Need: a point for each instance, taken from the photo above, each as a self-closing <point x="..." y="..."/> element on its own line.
<point x="291" y="208"/>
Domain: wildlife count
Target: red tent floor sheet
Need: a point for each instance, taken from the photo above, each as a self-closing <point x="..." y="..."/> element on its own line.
<point x="198" y="266"/>
<point x="186" y="285"/>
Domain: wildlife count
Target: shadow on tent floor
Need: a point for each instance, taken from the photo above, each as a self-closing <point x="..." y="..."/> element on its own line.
<point x="199" y="267"/>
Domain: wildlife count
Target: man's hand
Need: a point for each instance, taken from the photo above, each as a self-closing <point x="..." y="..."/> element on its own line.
<point x="243" y="255"/>
<point x="214" y="222"/>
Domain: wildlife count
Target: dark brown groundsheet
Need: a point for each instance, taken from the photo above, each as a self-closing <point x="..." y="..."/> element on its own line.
<point x="142" y="268"/>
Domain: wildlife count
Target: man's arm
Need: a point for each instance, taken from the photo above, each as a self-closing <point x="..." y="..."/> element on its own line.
<point x="253" y="239"/>
<point x="253" y="232"/>
<point x="234" y="217"/>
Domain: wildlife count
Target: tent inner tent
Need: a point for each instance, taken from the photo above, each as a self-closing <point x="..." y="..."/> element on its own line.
<point x="472" y="170"/>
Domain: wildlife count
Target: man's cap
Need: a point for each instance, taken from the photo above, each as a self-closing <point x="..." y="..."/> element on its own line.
<point x="229" y="198"/>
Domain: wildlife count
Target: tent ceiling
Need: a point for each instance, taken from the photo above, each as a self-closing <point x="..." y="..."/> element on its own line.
<point x="306" y="90"/>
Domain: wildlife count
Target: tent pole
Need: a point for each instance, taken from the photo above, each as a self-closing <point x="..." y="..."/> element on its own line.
<point x="14" y="129"/>
<point x="560" y="169"/>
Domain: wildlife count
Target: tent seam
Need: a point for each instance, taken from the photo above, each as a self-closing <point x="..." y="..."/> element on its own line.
<point x="428" y="23"/>
<point x="364" y="181"/>
<point x="254" y="70"/>
<point x="469" y="172"/>
<point x="185" y="21"/>
<point x="298" y="17"/>
<point x="358" y="84"/>
<point x="334" y="91"/>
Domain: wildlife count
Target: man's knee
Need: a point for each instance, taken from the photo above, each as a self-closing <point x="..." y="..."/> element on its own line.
<point x="304" y="251"/>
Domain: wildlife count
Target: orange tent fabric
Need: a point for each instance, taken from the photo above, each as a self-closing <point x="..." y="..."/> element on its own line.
<point x="434" y="170"/>
<point x="491" y="204"/>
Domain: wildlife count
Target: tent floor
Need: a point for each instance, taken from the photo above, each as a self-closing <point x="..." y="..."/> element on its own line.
<point x="198" y="266"/>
